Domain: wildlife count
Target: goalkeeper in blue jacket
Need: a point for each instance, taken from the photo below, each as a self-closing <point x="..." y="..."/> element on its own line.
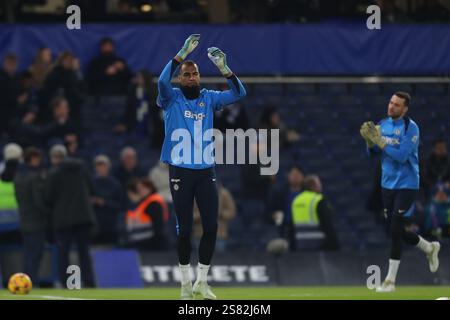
<point x="191" y="110"/>
<point x="396" y="139"/>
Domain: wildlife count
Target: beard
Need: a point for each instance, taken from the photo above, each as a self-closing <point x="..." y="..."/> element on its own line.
<point x="191" y="92"/>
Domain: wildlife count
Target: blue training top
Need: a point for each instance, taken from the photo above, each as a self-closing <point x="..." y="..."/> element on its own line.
<point x="400" y="157"/>
<point x="186" y="121"/>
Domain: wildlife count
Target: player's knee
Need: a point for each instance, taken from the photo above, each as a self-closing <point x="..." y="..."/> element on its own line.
<point x="210" y="228"/>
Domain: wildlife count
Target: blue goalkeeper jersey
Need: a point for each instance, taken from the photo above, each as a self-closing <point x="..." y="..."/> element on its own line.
<point x="189" y="123"/>
<point x="400" y="157"/>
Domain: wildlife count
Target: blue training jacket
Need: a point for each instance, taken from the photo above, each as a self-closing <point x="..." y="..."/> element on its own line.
<point x="400" y="157"/>
<point x="187" y="120"/>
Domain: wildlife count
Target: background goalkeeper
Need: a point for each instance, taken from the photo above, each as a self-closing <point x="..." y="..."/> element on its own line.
<point x="396" y="138"/>
<point x="187" y="108"/>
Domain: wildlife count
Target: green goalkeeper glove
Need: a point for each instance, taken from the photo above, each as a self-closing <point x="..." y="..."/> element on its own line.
<point x="374" y="135"/>
<point x="189" y="45"/>
<point x="220" y="60"/>
<point x="364" y="131"/>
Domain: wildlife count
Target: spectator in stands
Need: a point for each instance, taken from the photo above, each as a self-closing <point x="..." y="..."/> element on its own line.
<point x="146" y="222"/>
<point x="129" y="167"/>
<point x="438" y="163"/>
<point x="227" y="212"/>
<point x="12" y="157"/>
<point x="231" y="117"/>
<point x="33" y="212"/>
<point x="9" y="91"/>
<point x="312" y="218"/>
<point x="159" y="175"/>
<point x="254" y="185"/>
<point x="62" y="125"/>
<point x="281" y="201"/>
<point x="28" y="97"/>
<point x="140" y="105"/>
<point x="42" y="66"/>
<point x="67" y="190"/>
<point x="64" y="80"/>
<point x="108" y="74"/>
<point x="437" y="213"/>
<point x="271" y="119"/>
<point x="432" y="11"/>
<point x="107" y="201"/>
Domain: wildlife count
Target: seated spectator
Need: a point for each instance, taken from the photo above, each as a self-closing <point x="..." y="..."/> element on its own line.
<point x="437" y="213"/>
<point x="281" y="201"/>
<point x="146" y="222"/>
<point x="106" y="201"/>
<point x="312" y="218"/>
<point x="62" y="127"/>
<point x="227" y="212"/>
<point x="9" y="91"/>
<point x="437" y="165"/>
<point x="108" y="74"/>
<point x="27" y="100"/>
<point x="271" y="119"/>
<point x="34" y="214"/>
<point x="140" y="104"/>
<point x="129" y="167"/>
<point x="64" y="80"/>
<point x="41" y="67"/>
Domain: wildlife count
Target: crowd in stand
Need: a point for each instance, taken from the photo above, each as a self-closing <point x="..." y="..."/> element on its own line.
<point x="66" y="197"/>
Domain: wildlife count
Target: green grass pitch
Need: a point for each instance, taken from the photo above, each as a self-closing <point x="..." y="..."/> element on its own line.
<point x="241" y="293"/>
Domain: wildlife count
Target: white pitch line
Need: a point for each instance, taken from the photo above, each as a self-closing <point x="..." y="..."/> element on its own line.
<point x="56" y="297"/>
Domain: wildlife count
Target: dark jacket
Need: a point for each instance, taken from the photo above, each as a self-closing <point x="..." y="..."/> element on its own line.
<point x="34" y="214"/>
<point x="67" y="191"/>
<point x="101" y="83"/>
<point x="107" y="216"/>
<point x="9" y="90"/>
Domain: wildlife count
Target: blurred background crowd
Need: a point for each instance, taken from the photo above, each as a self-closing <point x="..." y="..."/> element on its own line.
<point x="81" y="143"/>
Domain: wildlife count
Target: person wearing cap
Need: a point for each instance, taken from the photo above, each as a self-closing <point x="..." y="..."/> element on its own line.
<point x="68" y="190"/>
<point x="107" y="200"/>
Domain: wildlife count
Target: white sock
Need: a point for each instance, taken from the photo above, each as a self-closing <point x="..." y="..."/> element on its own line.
<point x="393" y="268"/>
<point x="424" y="245"/>
<point x="202" y="272"/>
<point x="185" y="272"/>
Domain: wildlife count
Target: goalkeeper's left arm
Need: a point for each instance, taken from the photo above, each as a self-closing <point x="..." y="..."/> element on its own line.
<point x="237" y="90"/>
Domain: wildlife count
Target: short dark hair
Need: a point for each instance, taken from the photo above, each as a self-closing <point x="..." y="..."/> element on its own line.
<point x="147" y="183"/>
<point x="106" y="40"/>
<point x="296" y="166"/>
<point x="437" y="141"/>
<point x="31" y="152"/>
<point x="10" y="56"/>
<point x="55" y="102"/>
<point x="187" y="63"/>
<point x="132" y="184"/>
<point x="405" y="96"/>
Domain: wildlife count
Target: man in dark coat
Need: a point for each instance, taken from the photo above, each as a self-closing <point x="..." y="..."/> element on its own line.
<point x="28" y="185"/>
<point x="108" y="74"/>
<point x="67" y="190"/>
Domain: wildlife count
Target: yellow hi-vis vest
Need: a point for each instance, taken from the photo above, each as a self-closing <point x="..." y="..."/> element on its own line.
<point x="305" y="217"/>
<point x="7" y="196"/>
